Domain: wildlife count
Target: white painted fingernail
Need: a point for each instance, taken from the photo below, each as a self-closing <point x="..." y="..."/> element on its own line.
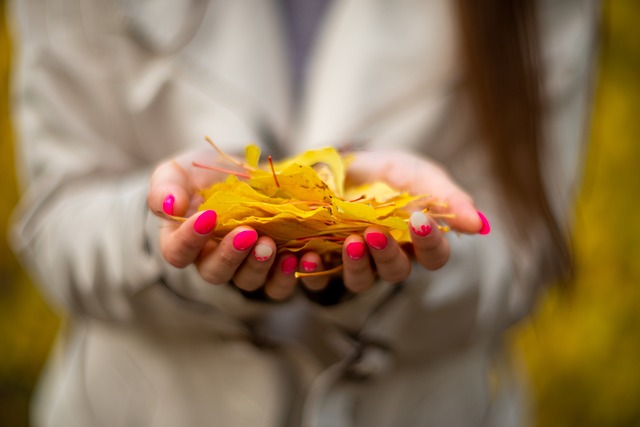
<point x="420" y="224"/>
<point x="262" y="252"/>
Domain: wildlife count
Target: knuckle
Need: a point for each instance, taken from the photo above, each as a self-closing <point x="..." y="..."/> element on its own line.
<point x="188" y="242"/>
<point x="429" y="243"/>
<point x="256" y="268"/>
<point x="388" y="256"/>
<point x="315" y="284"/>
<point x="437" y="262"/>
<point x="230" y="258"/>
<point x="358" y="285"/>
<point x="358" y="269"/>
<point x="395" y="275"/>
<point x="385" y="259"/>
<point x="173" y="257"/>
<point x="213" y="276"/>
<point x="246" y="284"/>
<point x="176" y="262"/>
<point x="278" y="291"/>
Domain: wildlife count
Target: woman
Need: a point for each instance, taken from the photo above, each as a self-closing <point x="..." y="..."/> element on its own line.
<point x="164" y="327"/>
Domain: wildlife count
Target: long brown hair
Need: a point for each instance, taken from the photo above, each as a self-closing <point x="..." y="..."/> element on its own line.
<point x="501" y="54"/>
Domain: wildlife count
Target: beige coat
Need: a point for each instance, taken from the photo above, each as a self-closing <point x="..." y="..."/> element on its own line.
<point x="106" y="89"/>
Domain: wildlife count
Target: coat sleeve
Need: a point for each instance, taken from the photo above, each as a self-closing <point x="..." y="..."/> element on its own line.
<point x="82" y="226"/>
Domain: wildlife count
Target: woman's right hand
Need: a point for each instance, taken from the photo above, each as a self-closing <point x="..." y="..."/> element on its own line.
<point x="241" y="257"/>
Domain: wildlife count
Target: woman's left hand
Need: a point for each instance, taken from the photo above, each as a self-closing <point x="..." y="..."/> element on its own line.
<point x="376" y="254"/>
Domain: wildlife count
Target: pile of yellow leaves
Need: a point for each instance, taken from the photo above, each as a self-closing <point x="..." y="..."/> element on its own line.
<point x="302" y="202"/>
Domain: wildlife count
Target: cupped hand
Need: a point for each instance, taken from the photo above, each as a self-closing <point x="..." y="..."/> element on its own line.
<point x="376" y="254"/>
<point x="241" y="257"/>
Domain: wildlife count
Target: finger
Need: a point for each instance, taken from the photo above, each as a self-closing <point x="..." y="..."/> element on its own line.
<point x="252" y="274"/>
<point x="358" y="274"/>
<point x="429" y="244"/>
<point x="421" y="176"/>
<point x="455" y="202"/>
<point x="170" y="190"/>
<point x="221" y="264"/>
<point x="312" y="263"/>
<point x="282" y="282"/>
<point x="466" y="218"/>
<point x="392" y="263"/>
<point x="181" y="244"/>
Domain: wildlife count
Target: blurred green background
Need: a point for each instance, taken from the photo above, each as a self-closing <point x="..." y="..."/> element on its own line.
<point x="582" y="346"/>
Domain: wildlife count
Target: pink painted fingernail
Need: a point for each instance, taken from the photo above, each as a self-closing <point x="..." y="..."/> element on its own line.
<point x="244" y="240"/>
<point x="376" y="240"/>
<point x="206" y="222"/>
<point x="289" y="265"/>
<point x="486" y="227"/>
<point x="355" y="250"/>
<point x="167" y="204"/>
<point x="309" y="266"/>
<point x="262" y="252"/>
<point x="420" y="224"/>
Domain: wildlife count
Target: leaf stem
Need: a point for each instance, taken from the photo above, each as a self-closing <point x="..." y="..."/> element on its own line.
<point x="273" y="171"/>
<point x="337" y="269"/>
<point x="217" y="169"/>
<point x="227" y="157"/>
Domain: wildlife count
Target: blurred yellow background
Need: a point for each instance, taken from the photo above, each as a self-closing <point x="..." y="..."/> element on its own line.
<point x="582" y="346"/>
<point x="27" y="325"/>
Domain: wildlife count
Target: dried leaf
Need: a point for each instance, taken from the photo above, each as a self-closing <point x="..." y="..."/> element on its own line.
<point x="302" y="202"/>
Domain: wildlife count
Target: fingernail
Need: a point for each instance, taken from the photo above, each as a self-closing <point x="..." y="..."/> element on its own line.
<point x="262" y="252"/>
<point x="376" y="240"/>
<point x="167" y="204"/>
<point x="206" y="222"/>
<point x="420" y="224"/>
<point x="486" y="227"/>
<point x="355" y="250"/>
<point x="289" y="265"/>
<point x="309" y="266"/>
<point x="244" y="240"/>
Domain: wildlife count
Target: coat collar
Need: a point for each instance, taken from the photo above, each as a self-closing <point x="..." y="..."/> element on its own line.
<point x="372" y="60"/>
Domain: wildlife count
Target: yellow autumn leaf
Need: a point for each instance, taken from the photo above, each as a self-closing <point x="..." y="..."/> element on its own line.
<point x="378" y="191"/>
<point x="330" y="165"/>
<point x="252" y="153"/>
<point x="294" y="181"/>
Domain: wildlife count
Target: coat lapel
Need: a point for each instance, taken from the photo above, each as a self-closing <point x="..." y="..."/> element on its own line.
<point x="375" y="60"/>
<point x="232" y="51"/>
